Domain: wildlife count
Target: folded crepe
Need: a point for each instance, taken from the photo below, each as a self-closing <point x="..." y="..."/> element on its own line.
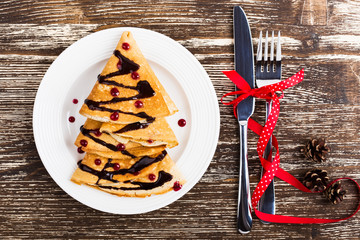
<point x="150" y="134"/>
<point x="127" y="90"/>
<point x="140" y="177"/>
<point x="91" y="140"/>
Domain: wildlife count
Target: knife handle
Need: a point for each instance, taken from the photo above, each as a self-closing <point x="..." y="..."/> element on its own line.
<point x="267" y="201"/>
<point x="244" y="218"/>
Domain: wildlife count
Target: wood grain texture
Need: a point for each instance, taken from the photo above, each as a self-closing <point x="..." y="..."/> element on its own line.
<point x="314" y="12"/>
<point x="326" y="104"/>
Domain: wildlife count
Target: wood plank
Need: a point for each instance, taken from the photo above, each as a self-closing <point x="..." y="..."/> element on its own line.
<point x="174" y="14"/>
<point x="314" y="12"/>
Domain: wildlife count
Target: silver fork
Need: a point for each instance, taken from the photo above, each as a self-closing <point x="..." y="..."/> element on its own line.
<point x="268" y="72"/>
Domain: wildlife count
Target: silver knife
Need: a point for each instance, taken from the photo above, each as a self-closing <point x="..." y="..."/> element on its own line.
<point x="244" y="65"/>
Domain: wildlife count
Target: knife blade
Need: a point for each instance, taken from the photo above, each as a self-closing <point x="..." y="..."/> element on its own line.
<point x="244" y="65"/>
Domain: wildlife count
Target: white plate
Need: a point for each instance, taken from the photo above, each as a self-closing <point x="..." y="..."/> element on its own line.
<point x="73" y="74"/>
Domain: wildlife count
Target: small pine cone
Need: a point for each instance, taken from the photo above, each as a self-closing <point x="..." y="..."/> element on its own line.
<point x="335" y="193"/>
<point x="316" y="150"/>
<point x="316" y="180"/>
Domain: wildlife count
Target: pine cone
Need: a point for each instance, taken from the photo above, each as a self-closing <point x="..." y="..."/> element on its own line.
<point x="316" y="150"/>
<point x="335" y="193"/>
<point x="316" y="180"/>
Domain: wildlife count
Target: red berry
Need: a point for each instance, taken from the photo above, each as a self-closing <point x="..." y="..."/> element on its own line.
<point x="114" y="92"/>
<point x="71" y="119"/>
<point x="80" y="150"/>
<point x="177" y="186"/>
<point x="75" y="101"/>
<point x="150" y="141"/>
<point x="120" y="147"/>
<point x="135" y="75"/>
<point x="97" y="132"/>
<point x="119" y="64"/>
<point x="116" y="166"/>
<point x="139" y="104"/>
<point x="152" y="177"/>
<point x="114" y="116"/>
<point x="97" y="161"/>
<point x="182" y="122"/>
<point x="83" y="143"/>
<point x="126" y="46"/>
<point x="136" y="173"/>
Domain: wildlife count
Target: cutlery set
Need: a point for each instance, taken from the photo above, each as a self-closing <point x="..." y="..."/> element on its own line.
<point x="267" y="71"/>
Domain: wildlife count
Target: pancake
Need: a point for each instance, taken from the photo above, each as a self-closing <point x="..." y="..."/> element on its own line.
<point x="91" y="140"/>
<point x="153" y="133"/>
<point x="127" y="90"/>
<point x="140" y="177"/>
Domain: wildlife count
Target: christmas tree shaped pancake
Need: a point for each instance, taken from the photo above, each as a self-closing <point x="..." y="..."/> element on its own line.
<point x="127" y="90"/>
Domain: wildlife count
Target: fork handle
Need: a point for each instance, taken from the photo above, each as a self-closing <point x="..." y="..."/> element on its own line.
<point x="244" y="218"/>
<point x="267" y="201"/>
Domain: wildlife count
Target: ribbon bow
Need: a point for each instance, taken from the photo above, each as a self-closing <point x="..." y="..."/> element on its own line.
<point x="266" y="92"/>
<point x="272" y="169"/>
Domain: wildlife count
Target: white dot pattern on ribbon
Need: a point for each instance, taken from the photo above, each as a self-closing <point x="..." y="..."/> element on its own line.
<point x="267" y="132"/>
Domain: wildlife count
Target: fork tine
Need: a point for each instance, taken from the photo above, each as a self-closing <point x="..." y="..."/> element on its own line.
<point x="272" y="47"/>
<point x="278" y="48"/>
<point x="259" y="50"/>
<point x="266" y="47"/>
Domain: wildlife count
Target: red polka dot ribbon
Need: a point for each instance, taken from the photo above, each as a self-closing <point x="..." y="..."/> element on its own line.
<point x="272" y="169"/>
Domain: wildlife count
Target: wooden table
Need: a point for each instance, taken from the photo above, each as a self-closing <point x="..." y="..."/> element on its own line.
<point x="321" y="36"/>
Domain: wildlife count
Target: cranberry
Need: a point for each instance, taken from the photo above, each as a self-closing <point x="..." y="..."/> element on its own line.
<point x="120" y="147"/>
<point x="152" y="177"/>
<point x="83" y="143"/>
<point x="114" y="92"/>
<point x="97" y="161"/>
<point x="119" y="64"/>
<point x="97" y="132"/>
<point x="75" y="101"/>
<point x="126" y="46"/>
<point x="80" y="150"/>
<point x="71" y="119"/>
<point x="116" y="166"/>
<point x="114" y="116"/>
<point x="182" y="122"/>
<point x="136" y="173"/>
<point x="135" y="75"/>
<point x="150" y="141"/>
<point x="177" y="186"/>
<point x="139" y="104"/>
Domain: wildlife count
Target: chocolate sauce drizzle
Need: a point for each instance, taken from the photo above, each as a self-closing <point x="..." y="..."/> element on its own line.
<point x="143" y="88"/>
<point x="135" y="126"/>
<point x="162" y="179"/>
<point x="127" y="66"/>
<point x="144" y="91"/>
<point x="92" y="105"/>
<point x="109" y="175"/>
<point x="101" y="174"/>
<point x="86" y="132"/>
